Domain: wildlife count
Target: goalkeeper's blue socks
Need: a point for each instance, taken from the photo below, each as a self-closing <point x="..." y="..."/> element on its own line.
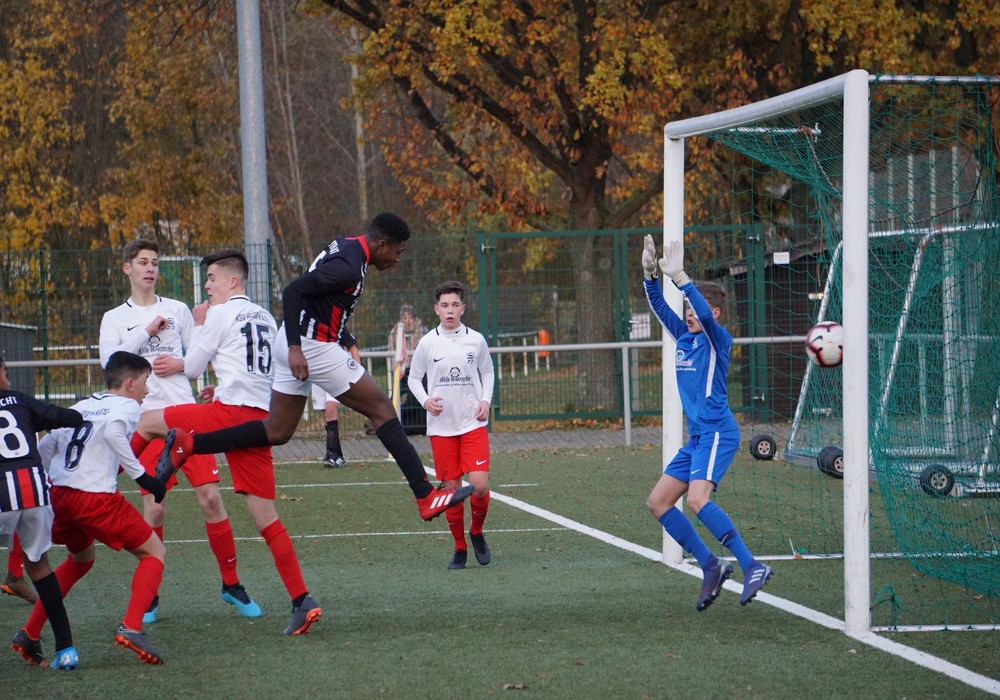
<point x="721" y="525"/>
<point x="680" y="528"/>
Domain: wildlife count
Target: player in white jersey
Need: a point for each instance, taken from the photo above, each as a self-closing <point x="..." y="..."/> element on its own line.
<point x="160" y="330"/>
<point x="83" y="464"/>
<point x="460" y="378"/>
<point x="237" y="335"/>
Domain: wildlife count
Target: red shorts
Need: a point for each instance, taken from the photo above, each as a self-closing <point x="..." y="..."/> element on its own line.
<point x="252" y="468"/>
<point x="82" y="517"/>
<point x="455" y="455"/>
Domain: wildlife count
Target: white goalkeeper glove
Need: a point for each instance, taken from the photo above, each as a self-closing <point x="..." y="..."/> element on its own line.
<point x="649" y="258"/>
<point x="672" y="263"/>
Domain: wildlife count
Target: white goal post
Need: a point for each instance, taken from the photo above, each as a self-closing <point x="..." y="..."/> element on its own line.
<point x="853" y="89"/>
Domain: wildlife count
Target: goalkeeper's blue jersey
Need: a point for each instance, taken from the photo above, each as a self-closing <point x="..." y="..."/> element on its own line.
<point x="701" y="361"/>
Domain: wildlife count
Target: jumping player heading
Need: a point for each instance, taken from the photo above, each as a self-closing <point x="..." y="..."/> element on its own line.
<point x="311" y="349"/>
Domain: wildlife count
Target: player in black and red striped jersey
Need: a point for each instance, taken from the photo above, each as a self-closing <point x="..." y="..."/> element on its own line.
<point x="26" y="510"/>
<point x="310" y="348"/>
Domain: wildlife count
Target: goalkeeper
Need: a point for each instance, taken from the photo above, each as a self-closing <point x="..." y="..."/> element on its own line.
<point x="701" y="365"/>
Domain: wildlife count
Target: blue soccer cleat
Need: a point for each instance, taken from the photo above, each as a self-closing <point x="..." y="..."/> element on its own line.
<point x="237" y="595"/>
<point x="149" y="617"/>
<point x="66" y="659"/>
<point x="711" y="587"/>
<point x="756" y="577"/>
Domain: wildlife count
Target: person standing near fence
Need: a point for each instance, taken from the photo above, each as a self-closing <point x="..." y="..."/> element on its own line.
<point x="460" y="379"/>
<point x="701" y="364"/>
<point x="159" y="329"/>
<point x="26" y="512"/>
<point x="310" y="349"/>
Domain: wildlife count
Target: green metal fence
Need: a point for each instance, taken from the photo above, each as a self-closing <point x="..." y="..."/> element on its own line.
<point x="525" y="291"/>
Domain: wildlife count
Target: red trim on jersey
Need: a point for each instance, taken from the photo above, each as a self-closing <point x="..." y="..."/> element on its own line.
<point x="364" y="247"/>
<point x="25" y="485"/>
<point x="328" y="332"/>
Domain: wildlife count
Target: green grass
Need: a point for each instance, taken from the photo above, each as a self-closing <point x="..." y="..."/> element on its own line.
<point x="557" y="613"/>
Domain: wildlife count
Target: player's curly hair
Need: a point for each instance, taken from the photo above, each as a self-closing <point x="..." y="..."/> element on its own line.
<point x="389" y="226"/>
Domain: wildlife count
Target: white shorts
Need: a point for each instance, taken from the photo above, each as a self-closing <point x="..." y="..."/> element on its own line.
<point x="33" y="527"/>
<point x="320" y="398"/>
<point x="330" y="367"/>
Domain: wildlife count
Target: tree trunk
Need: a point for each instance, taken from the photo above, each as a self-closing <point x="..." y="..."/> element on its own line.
<point x="598" y="383"/>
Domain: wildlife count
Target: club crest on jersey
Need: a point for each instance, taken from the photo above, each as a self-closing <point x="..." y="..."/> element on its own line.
<point x="470" y="358"/>
<point x="351" y="364"/>
<point x="680" y="362"/>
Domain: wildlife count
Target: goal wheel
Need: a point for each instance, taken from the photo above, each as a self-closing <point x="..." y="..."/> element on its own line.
<point x="762" y="446"/>
<point x="936" y="480"/>
<point x="831" y="461"/>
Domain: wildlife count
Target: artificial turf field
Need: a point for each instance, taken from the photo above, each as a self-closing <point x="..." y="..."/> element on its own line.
<point x="559" y="612"/>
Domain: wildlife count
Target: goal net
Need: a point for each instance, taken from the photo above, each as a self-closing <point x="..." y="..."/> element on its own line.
<point x="871" y="201"/>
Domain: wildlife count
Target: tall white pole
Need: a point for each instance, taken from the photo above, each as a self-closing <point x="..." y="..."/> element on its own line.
<point x="673" y="230"/>
<point x="253" y="138"/>
<point x="857" y="570"/>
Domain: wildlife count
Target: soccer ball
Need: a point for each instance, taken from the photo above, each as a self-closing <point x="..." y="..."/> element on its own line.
<point x="825" y="344"/>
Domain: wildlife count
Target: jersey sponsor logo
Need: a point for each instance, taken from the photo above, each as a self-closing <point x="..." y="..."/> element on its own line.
<point x="438" y="359"/>
<point x="683" y="364"/>
<point x="129" y="329"/>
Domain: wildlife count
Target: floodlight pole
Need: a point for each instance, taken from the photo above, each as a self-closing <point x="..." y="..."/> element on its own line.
<point x="256" y="225"/>
<point x="857" y="566"/>
<point x="673" y="230"/>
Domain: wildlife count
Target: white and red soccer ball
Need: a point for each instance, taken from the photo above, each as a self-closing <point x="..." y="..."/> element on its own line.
<point x="825" y="344"/>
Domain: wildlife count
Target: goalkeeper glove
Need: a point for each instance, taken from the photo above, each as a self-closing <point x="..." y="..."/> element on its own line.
<point x="672" y="263"/>
<point x="649" y="258"/>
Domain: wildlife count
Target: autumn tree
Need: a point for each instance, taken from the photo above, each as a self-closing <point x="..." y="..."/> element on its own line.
<point x="549" y="112"/>
<point x="544" y="112"/>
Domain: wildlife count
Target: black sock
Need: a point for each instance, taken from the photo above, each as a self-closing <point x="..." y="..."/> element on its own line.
<point x="250" y="434"/>
<point x="333" y="437"/>
<point x="52" y="601"/>
<point x="392" y="436"/>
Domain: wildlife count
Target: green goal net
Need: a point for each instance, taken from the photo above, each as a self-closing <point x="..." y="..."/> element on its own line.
<point x="933" y="232"/>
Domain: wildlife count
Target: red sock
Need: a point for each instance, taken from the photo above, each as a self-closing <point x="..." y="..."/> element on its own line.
<point x="276" y="537"/>
<point x="15" y="560"/>
<point x="220" y="539"/>
<point x="145" y="582"/>
<point x="456" y="523"/>
<point x="67" y="573"/>
<point x="138" y="443"/>
<point x="480" y="506"/>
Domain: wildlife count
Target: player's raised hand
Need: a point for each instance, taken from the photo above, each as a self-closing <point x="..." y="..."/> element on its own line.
<point x="649" y="257"/>
<point x="672" y="263"/>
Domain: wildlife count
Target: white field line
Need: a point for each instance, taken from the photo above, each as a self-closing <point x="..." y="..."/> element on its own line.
<point x="959" y="673"/>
